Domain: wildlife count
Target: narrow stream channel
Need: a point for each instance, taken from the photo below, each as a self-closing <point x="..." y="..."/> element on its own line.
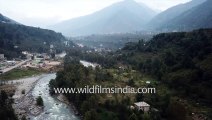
<point x="54" y="109"/>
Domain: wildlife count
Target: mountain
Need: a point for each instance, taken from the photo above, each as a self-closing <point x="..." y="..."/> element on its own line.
<point x="124" y="16"/>
<point x="197" y="17"/>
<point x="15" y="38"/>
<point x="110" y="41"/>
<point x="162" y="19"/>
<point x="4" y="19"/>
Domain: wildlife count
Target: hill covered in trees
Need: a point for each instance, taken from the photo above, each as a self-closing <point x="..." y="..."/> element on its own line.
<point x="179" y="66"/>
<point x="181" y="60"/>
<point x="15" y="38"/>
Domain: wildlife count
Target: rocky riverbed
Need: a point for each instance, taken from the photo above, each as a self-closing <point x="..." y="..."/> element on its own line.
<point x="25" y="102"/>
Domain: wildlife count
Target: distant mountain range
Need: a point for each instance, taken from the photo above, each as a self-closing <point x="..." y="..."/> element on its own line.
<point x="128" y="16"/>
<point x="124" y="16"/>
<point x="171" y="13"/>
<point x="184" y="17"/>
<point x="195" y="18"/>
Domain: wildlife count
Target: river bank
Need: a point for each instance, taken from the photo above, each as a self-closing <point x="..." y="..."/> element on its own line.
<point x="27" y="89"/>
<point x="63" y="99"/>
<point x="25" y="92"/>
<point x="24" y="102"/>
<point x="54" y="109"/>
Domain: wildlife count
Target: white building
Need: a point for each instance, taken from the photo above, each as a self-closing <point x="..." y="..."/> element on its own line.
<point x="11" y="63"/>
<point x="142" y="106"/>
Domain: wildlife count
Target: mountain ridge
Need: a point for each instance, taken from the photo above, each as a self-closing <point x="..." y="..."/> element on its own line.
<point x="129" y="12"/>
<point x="4" y="19"/>
<point x="168" y="15"/>
<point x="195" y="18"/>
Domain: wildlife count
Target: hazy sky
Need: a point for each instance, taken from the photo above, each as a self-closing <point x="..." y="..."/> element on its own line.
<point x="47" y="12"/>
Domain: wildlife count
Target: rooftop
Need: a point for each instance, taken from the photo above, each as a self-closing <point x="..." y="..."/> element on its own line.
<point x="142" y="104"/>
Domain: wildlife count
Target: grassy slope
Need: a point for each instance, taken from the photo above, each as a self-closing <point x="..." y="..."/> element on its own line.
<point x="18" y="73"/>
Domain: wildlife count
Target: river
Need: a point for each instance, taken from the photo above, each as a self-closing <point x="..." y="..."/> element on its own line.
<point x="54" y="109"/>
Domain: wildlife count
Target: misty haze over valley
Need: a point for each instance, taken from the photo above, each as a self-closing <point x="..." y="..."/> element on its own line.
<point x="65" y="60"/>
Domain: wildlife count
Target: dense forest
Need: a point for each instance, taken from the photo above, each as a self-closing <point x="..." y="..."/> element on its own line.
<point x="182" y="60"/>
<point x="179" y="66"/>
<point x="6" y="110"/>
<point x="95" y="106"/>
<point x="15" y="38"/>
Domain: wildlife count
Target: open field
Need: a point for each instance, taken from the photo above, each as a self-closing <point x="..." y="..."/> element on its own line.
<point x="19" y="73"/>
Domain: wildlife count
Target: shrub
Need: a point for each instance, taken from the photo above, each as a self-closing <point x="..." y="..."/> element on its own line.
<point x="23" y="91"/>
<point x="39" y="101"/>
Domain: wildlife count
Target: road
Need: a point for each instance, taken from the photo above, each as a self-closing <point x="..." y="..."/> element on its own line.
<point x="15" y="66"/>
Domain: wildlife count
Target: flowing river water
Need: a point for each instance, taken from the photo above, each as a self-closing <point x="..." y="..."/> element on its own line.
<point x="54" y="109"/>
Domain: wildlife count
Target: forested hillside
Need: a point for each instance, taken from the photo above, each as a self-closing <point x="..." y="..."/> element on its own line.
<point x="15" y="38"/>
<point x="179" y="66"/>
<point x="181" y="60"/>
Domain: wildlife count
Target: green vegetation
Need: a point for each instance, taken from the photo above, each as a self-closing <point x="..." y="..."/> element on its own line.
<point x="23" y="118"/>
<point x="181" y="62"/>
<point x="6" y="110"/>
<point x="39" y="101"/>
<point x="99" y="106"/>
<point x="19" y="73"/>
<point x="15" y="38"/>
<point x="177" y="64"/>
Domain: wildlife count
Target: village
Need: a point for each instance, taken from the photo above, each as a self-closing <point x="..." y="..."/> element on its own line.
<point x="21" y="88"/>
<point x="42" y="61"/>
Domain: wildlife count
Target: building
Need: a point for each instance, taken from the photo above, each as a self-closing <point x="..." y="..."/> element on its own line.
<point x="142" y="106"/>
<point x="11" y="63"/>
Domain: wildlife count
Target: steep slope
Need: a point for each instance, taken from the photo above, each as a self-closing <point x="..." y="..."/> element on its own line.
<point x="163" y="18"/>
<point x="197" y="17"/>
<point x="180" y="60"/>
<point x="15" y="38"/>
<point x="4" y="19"/>
<point x="124" y="16"/>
